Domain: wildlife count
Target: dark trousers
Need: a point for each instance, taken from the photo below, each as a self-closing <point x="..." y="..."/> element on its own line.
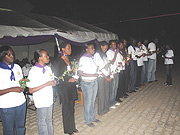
<point x="169" y="74"/>
<point x="138" y="77"/>
<point x="68" y="117"/>
<point x="133" y="72"/>
<point x="120" y="90"/>
<point x="126" y="77"/>
<point x="103" y="96"/>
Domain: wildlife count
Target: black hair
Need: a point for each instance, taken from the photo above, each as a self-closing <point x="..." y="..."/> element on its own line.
<point x="64" y="44"/>
<point x="101" y="53"/>
<point x="85" y="47"/>
<point x="120" y="41"/>
<point x="170" y="45"/>
<point x="37" y="54"/>
<point x="123" y="39"/>
<point x="138" y="40"/>
<point x="110" y="42"/>
<point x="4" y="51"/>
<point x="88" y="44"/>
<point x="132" y="39"/>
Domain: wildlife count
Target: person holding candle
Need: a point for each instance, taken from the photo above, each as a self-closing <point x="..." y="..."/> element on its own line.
<point x="40" y="86"/>
<point x="104" y="79"/>
<point x="12" y="99"/>
<point x="88" y="72"/>
<point x="67" y="88"/>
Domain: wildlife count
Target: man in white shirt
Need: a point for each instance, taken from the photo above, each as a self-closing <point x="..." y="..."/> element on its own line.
<point x="169" y="56"/>
<point x="112" y="56"/>
<point x="145" y="61"/>
<point x="152" y="61"/>
<point x="121" y="67"/>
<point x="133" y="65"/>
<point x="139" y="54"/>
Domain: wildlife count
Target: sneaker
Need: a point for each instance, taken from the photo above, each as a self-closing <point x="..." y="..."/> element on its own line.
<point x="117" y="103"/>
<point x="113" y="107"/>
<point x="97" y="121"/>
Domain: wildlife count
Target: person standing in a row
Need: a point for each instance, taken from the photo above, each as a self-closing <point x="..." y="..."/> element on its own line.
<point x="40" y="85"/>
<point x="133" y="65"/>
<point x="12" y="99"/>
<point x="169" y="56"/>
<point x="121" y="67"/>
<point x="104" y="79"/>
<point x="89" y="85"/>
<point x="67" y="88"/>
<point x="152" y="61"/>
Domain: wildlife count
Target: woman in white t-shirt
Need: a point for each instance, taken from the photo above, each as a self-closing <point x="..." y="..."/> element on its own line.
<point x="88" y="72"/>
<point x="104" y="79"/>
<point x="41" y="82"/>
<point x="168" y="61"/>
<point x="12" y="99"/>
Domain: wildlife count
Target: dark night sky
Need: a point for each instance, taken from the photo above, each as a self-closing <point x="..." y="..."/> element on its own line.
<point x="108" y="14"/>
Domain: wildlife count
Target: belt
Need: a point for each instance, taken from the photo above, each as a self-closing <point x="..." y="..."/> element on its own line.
<point x="85" y="80"/>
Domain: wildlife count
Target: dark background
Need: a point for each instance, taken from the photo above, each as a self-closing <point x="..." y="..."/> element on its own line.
<point x="116" y="15"/>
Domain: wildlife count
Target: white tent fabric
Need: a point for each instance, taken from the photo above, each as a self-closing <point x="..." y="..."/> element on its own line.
<point x="15" y="24"/>
<point x="15" y="31"/>
<point x="74" y="30"/>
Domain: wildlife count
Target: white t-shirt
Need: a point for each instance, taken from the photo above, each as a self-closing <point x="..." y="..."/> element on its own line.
<point x="87" y="65"/>
<point x="152" y="47"/>
<point x="43" y="97"/>
<point x="169" y="54"/>
<point x="102" y="64"/>
<point x="110" y="55"/>
<point x="139" y="60"/>
<point x="11" y="99"/>
<point x="120" y="59"/>
<point x="132" y="51"/>
<point x="145" y="58"/>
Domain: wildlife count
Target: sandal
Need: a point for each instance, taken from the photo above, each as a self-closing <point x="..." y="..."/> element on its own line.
<point x="76" y="131"/>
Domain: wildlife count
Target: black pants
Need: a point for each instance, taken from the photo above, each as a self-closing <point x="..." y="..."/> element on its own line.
<point x="169" y="74"/>
<point x="68" y="117"/>
<point x="133" y="73"/>
<point x="120" y="90"/>
<point x="103" y="96"/>
<point x="138" y="77"/>
<point x="126" y="78"/>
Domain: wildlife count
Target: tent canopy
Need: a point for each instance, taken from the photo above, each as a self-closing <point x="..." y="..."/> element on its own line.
<point x="27" y="28"/>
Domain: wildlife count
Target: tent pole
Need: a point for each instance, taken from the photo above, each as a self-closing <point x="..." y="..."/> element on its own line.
<point x="28" y="52"/>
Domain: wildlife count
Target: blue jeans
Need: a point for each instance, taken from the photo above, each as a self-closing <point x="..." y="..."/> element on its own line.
<point x="89" y="90"/>
<point x="144" y="72"/>
<point x="45" y="126"/>
<point x="113" y="86"/>
<point x="13" y="118"/>
<point x="151" y="70"/>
